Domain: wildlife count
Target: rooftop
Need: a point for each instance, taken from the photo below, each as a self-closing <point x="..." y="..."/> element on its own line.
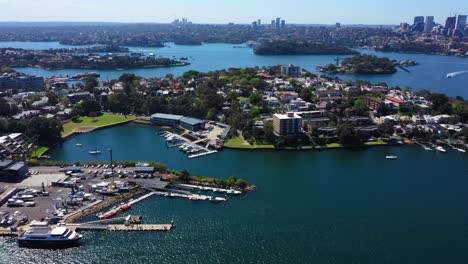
<point x="191" y="121"/>
<point x="287" y="116"/>
<point x="167" y="116"/>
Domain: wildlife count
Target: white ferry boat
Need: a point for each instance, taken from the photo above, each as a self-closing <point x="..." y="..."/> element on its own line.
<point x="46" y="237"/>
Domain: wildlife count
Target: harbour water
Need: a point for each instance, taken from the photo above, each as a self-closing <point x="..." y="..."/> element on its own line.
<point x="334" y="206"/>
<point x="431" y="73"/>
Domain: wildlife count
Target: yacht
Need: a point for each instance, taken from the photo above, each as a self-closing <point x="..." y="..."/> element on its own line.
<point x="427" y="148"/>
<point x="441" y="149"/>
<point x="391" y="157"/>
<point x="46" y="237"/>
<point x="217" y="199"/>
<point x="95" y="152"/>
<point x="233" y="192"/>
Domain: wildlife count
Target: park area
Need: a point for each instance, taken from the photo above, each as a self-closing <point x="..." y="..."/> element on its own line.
<point x="86" y="124"/>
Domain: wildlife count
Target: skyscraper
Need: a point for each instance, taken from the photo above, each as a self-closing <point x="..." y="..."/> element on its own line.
<point x="278" y="23"/>
<point x="283" y="23"/>
<point x="418" y="24"/>
<point x="460" y="22"/>
<point x="450" y="22"/>
<point x="418" y="19"/>
<point x="429" y="25"/>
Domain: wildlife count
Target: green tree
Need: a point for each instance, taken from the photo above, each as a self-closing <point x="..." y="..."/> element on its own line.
<point x="184" y="176"/>
<point x="255" y="98"/>
<point x="306" y="94"/>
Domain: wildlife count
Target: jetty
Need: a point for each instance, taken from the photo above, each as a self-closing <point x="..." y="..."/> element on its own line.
<point x="207" y="188"/>
<point x="202" y="154"/>
<point x="116" y="209"/>
<point x="142" y="227"/>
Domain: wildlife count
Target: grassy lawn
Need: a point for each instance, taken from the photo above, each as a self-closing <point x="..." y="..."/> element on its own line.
<point x="38" y="152"/>
<point x="104" y="120"/>
<point x="238" y="143"/>
<point x="375" y="143"/>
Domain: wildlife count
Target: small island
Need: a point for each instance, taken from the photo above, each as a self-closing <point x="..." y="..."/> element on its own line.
<point x="284" y="47"/>
<point x="366" y="64"/>
<point x="188" y="42"/>
<point x="79" y="59"/>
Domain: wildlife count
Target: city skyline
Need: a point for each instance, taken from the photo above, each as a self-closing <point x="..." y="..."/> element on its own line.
<point x="241" y="11"/>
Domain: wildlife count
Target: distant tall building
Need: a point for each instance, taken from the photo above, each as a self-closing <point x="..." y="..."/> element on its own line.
<point x="450" y="22"/>
<point x="460" y="22"/>
<point x="418" y="19"/>
<point x="259" y="22"/>
<point x="429" y="25"/>
<point x="273" y="24"/>
<point x="404" y="27"/>
<point x="255" y="25"/>
<point x="283" y="23"/>
<point x="278" y="23"/>
<point x="460" y="25"/>
<point x="338" y="25"/>
<point x="418" y="24"/>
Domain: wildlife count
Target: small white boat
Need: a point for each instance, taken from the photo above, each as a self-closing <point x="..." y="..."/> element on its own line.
<point x="391" y="157"/>
<point x="441" y="149"/>
<point x="217" y="199"/>
<point x="461" y="150"/>
<point x="95" y="152"/>
<point x="233" y="192"/>
<point x="427" y="148"/>
<point x="79" y="144"/>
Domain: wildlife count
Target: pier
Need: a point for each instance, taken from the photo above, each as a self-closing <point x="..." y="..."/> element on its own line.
<point x="202" y="154"/>
<point x="207" y="188"/>
<point x="116" y="209"/>
<point x="175" y="140"/>
<point x="143" y="227"/>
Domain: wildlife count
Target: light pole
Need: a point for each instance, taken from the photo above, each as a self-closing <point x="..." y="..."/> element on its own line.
<point x="112" y="165"/>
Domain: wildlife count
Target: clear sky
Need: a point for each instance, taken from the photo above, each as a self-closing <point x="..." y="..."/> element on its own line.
<point x="223" y="11"/>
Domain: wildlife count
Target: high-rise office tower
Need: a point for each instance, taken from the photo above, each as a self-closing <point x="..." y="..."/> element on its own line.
<point x="418" y="24"/>
<point x="450" y="22"/>
<point x="460" y="22"/>
<point x="429" y="25"/>
<point x="278" y="23"/>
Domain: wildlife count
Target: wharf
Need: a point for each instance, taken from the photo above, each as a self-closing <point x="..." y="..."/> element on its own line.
<point x="145" y="227"/>
<point x="190" y="196"/>
<point x="206" y="188"/>
<point x="131" y="202"/>
<point x="202" y="154"/>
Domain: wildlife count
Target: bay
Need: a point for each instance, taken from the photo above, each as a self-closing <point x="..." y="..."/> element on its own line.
<point x="333" y="206"/>
<point x="431" y="73"/>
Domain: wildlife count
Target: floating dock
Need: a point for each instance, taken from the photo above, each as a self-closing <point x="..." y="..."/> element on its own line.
<point x="202" y="154"/>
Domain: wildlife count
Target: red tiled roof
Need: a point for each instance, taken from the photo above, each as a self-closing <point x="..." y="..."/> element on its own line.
<point x="395" y="100"/>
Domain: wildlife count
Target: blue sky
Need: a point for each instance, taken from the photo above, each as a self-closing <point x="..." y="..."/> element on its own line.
<point x="223" y="11"/>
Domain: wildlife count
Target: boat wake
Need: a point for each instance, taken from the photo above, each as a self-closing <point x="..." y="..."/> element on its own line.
<point x="454" y="74"/>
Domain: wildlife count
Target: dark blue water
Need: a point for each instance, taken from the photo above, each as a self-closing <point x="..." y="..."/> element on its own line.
<point x="337" y="206"/>
<point x="430" y="73"/>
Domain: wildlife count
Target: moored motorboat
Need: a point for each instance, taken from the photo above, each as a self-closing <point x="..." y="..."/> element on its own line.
<point x="441" y="149"/>
<point x="46" y="237"/>
<point x="391" y="157"/>
<point x="95" y="152"/>
<point x="125" y="207"/>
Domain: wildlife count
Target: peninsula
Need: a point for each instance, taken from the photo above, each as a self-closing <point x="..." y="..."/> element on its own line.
<point x="366" y="64"/>
<point x="286" y="47"/>
<point x="74" y="59"/>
